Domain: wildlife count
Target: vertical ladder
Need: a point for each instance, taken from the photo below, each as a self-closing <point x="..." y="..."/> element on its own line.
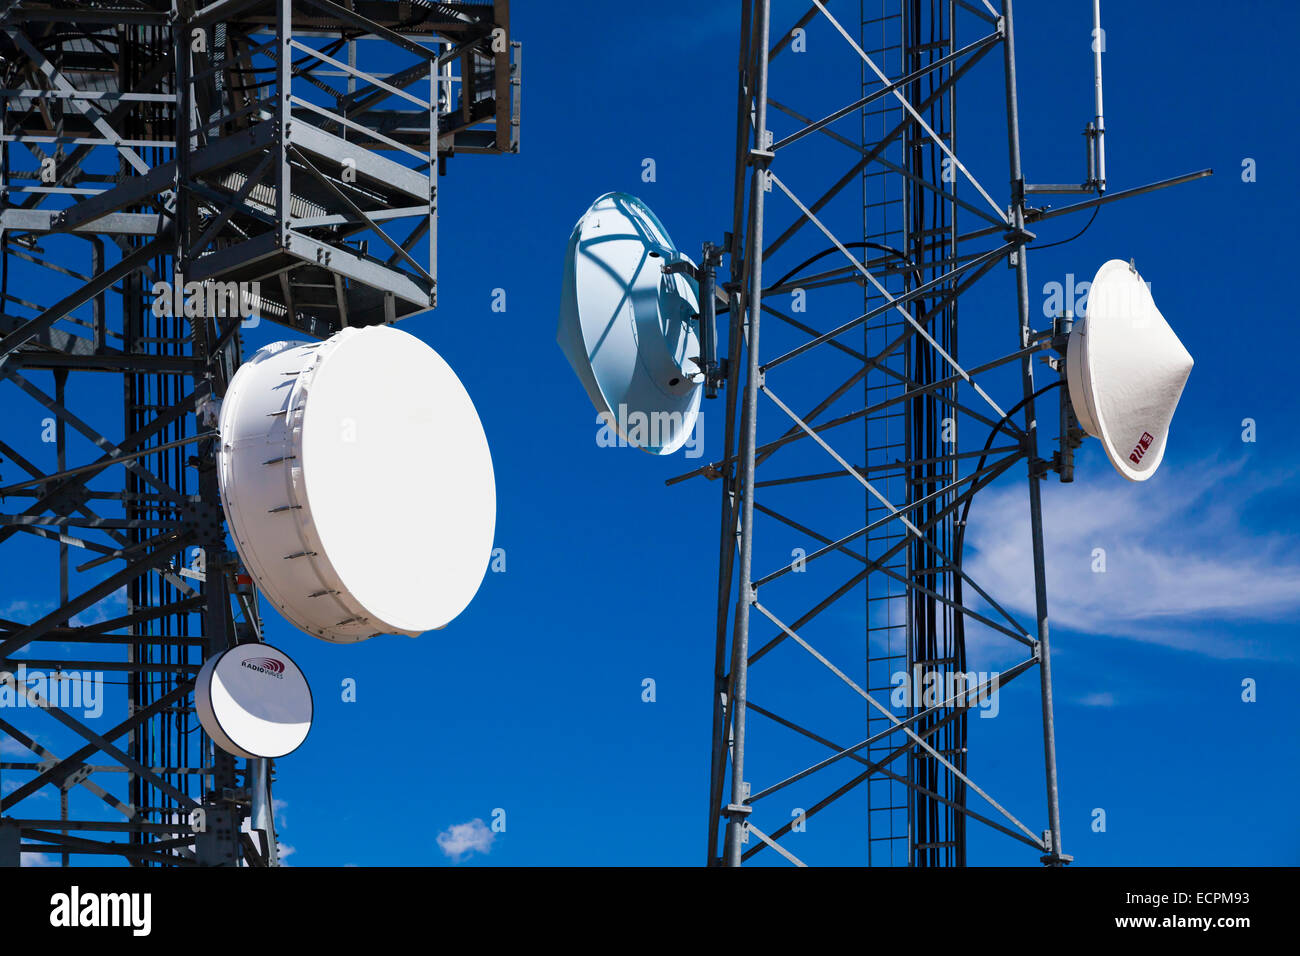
<point x="885" y="227"/>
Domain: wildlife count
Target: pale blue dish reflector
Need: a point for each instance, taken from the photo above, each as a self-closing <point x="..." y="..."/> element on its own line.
<point x="626" y="327"/>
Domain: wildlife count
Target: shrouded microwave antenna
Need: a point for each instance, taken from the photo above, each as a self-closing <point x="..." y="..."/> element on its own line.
<point x="357" y="482"/>
<point x="626" y="323"/>
<point x="1126" y="370"/>
<point x="253" y="701"/>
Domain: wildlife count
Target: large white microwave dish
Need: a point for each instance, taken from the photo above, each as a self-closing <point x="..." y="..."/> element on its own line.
<point x="357" y="483"/>
<point x="626" y="327"/>
<point x="1126" y="370"/>
<point x="253" y="701"/>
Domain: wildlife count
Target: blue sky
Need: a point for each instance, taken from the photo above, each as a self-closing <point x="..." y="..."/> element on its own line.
<point x="531" y="702"/>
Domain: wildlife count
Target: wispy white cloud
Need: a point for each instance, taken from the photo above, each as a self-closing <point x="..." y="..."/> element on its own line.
<point x="278" y="808"/>
<point x="114" y="605"/>
<point x="12" y="748"/>
<point x="1099" y="699"/>
<point x="25" y="611"/>
<point x="37" y="860"/>
<point x="1180" y="559"/>
<point x="8" y="786"/>
<point x="462" y="839"/>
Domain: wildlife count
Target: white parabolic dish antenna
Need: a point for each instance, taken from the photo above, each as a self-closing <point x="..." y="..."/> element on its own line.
<point x="253" y="701"/>
<point x="1126" y="371"/>
<point x="357" y="483"/>
<point x="625" y="326"/>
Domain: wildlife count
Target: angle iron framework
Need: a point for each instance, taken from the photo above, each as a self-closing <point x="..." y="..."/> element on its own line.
<point x="286" y="148"/>
<point x="861" y="411"/>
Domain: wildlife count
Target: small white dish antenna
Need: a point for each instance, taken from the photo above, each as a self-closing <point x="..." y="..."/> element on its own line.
<point x="253" y="701"/>
<point x="1126" y="370"/>
<point x="357" y="483"/>
<point x="626" y="326"/>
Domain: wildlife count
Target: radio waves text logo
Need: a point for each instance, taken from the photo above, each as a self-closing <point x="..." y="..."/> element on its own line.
<point x="266" y="665"/>
<point x="1140" y="449"/>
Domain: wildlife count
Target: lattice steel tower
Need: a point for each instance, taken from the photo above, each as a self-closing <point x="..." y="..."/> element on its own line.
<point x="286" y="152"/>
<point x="858" y="429"/>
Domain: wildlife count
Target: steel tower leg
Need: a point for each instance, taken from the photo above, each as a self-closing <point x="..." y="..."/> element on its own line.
<point x="720" y="741"/>
<point x="753" y="304"/>
<point x="1036" y="468"/>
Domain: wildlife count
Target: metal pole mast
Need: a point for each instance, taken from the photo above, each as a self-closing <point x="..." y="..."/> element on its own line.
<point x="1036" y="466"/>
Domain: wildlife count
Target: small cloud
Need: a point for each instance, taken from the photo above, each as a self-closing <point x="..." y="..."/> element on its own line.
<point x="462" y="839"/>
<point x="38" y="860"/>
<point x="25" y="611"/>
<point x="105" y="610"/>
<point x="1101" y="699"/>
<point x="13" y="748"/>
<point x="8" y="786"/>
<point x="286" y="851"/>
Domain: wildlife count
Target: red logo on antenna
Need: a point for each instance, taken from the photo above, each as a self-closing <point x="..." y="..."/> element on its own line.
<point x="266" y="665"/>
<point x="1140" y="448"/>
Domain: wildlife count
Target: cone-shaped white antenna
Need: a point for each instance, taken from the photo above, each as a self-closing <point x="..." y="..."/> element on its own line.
<point x="1126" y="371"/>
<point x="357" y="483"/>
<point x="253" y="701"/>
<point x="625" y="325"/>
